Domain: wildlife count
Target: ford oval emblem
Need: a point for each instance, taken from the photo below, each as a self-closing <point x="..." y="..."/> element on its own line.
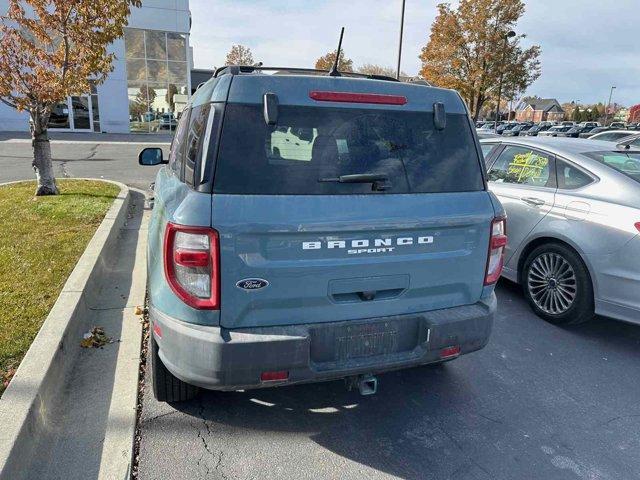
<point x="252" y="284"/>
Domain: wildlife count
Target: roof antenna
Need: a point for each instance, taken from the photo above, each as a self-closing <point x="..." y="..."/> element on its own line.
<point x="334" y="70"/>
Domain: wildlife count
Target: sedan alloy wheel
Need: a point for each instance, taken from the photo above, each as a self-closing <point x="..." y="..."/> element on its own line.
<point x="552" y="283"/>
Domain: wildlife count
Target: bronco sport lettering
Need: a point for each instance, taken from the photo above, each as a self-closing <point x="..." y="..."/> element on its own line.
<point x="380" y="245"/>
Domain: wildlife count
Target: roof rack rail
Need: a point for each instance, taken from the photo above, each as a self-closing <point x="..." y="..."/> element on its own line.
<point x="238" y="69"/>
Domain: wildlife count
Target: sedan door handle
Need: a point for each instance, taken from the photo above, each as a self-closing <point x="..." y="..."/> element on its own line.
<point x="533" y="201"/>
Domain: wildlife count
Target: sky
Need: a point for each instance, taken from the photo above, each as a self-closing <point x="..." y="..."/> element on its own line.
<point x="587" y="45"/>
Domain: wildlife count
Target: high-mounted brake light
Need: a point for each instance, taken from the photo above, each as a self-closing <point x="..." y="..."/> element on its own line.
<point x="349" y="97"/>
<point x="495" y="256"/>
<point x="192" y="265"/>
<point x="637" y="225"/>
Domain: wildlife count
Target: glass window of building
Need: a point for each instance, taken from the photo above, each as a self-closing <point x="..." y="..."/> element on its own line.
<point x="77" y="113"/>
<point x="157" y="73"/>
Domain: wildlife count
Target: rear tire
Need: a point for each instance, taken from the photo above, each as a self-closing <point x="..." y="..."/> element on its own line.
<point x="557" y="285"/>
<point x="167" y="387"/>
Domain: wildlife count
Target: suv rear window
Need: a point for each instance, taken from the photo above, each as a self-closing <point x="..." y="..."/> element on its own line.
<point x="313" y="144"/>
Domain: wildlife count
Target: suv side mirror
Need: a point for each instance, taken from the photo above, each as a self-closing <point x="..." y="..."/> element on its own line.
<point x="151" y="156"/>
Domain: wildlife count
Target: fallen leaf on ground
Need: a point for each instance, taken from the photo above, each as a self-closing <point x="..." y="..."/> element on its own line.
<point x="6" y="376"/>
<point x="96" y="338"/>
<point x="139" y="310"/>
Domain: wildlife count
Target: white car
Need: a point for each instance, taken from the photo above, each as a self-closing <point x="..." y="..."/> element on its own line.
<point x="611" y="135"/>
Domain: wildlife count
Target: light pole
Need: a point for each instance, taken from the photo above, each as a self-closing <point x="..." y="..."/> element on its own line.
<point x="507" y="36"/>
<point x="400" y="41"/>
<point x="606" y="108"/>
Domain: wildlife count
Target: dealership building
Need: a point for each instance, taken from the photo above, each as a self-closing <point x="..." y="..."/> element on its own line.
<point x="149" y="85"/>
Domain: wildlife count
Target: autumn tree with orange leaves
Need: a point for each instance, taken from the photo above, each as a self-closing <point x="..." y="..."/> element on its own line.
<point x="326" y="62"/>
<point x="52" y="49"/>
<point x="466" y="48"/>
<point x="239" y="55"/>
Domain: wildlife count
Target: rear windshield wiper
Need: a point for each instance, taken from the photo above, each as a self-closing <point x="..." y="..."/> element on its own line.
<point x="379" y="181"/>
<point x="357" y="178"/>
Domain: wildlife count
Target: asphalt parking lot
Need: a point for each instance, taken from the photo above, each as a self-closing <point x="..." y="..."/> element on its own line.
<point x="539" y="402"/>
<point x="112" y="157"/>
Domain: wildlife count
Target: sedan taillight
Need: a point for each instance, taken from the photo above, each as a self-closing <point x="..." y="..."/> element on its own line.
<point x="192" y="265"/>
<point x="497" y="243"/>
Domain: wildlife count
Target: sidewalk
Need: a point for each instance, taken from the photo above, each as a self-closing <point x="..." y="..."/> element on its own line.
<point x="102" y="138"/>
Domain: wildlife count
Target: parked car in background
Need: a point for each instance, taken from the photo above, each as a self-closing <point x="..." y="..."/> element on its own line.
<point x="167" y="121"/>
<point x="488" y="127"/>
<point x="486" y="134"/>
<point x="575" y="131"/>
<point x="618" y="125"/>
<point x="574" y="224"/>
<point x="517" y="130"/>
<point x="506" y="126"/>
<point x="567" y="123"/>
<point x="611" y="135"/>
<point x="536" y="129"/>
<point x="592" y="132"/>
<point x="372" y="244"/>
<point x="630" y="141"/>
<point x="149" y="117"/>
<point x="554" y="131"/>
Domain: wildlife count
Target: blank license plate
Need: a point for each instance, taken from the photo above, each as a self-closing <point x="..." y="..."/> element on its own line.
<point x="366" y="345"/>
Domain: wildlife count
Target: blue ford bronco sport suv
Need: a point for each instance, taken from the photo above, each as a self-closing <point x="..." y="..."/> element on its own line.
<point x="309" y="227"/>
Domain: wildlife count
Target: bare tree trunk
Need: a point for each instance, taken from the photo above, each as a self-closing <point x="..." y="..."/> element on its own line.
<point x="476" y="113"/>
<point x="479" y="104"/>
<point x="472" y="106"/>
<point x="42" y="165"/>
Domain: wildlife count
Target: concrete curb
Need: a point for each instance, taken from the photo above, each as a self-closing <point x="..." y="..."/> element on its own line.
<point x="27" y="405"/>
<point x="119" y="436"/>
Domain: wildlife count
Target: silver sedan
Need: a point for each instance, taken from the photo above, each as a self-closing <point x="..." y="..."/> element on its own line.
<point x="573" y="220"/>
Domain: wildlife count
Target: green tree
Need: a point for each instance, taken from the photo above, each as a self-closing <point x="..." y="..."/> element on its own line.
<point x="466" y="50"/>
<point x="326" y="62"/>
<point x="577" y="114"/>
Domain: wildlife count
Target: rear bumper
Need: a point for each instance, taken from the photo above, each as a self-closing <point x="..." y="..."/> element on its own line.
<point x="221" y="359"/>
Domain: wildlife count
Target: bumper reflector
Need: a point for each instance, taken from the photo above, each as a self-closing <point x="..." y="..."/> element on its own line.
<point x="449" y="352"/>
<point x="157" y="330"/>
<point x="274" y="376"/>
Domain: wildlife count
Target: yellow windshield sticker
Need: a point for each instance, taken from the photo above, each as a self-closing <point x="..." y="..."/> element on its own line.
<point x="528" y="168"/>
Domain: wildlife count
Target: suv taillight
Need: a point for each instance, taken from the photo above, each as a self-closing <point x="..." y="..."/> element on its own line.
<point x="192" y="265"/>
<point x="495" y="258"/>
